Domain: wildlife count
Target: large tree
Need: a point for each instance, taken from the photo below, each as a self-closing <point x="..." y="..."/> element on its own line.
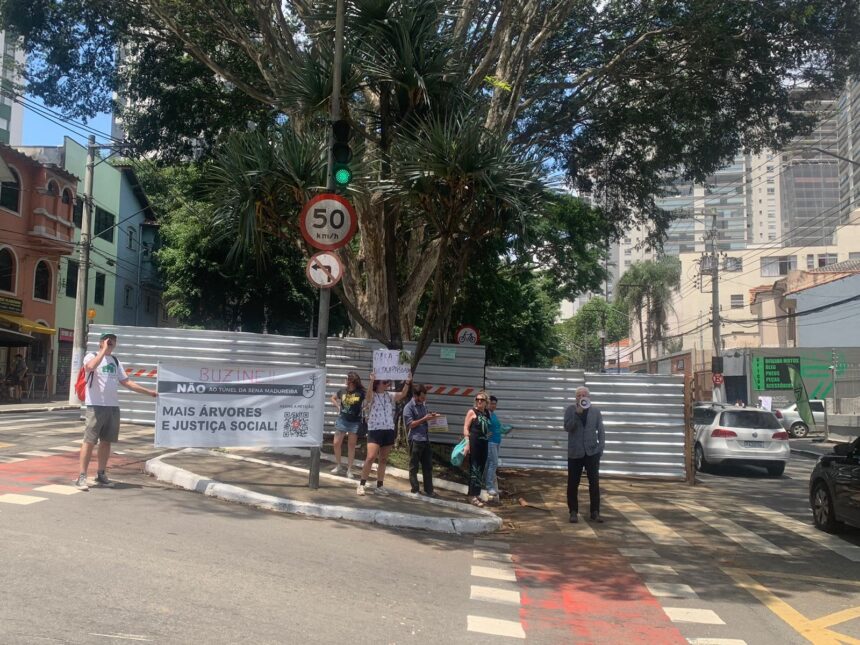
<point x="580" y="335"/>
<point x="460" y="106"/>
<point x="645" y="293"/>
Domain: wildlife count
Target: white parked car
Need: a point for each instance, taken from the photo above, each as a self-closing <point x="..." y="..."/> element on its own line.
<point x="790" y="418"/>
<point x="729" y="434"/>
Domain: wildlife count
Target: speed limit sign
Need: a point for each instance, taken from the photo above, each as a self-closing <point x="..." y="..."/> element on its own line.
<point x="328" y="222"/>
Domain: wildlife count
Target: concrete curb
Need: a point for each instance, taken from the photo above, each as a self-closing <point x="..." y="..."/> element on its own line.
<point x="806" y="453"/>
<point x="399" y="473"/>
<point x="485" y="522"/>
<point x="39" y="409"/>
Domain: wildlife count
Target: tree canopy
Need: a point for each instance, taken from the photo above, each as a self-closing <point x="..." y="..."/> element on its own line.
<point x="581" y="343"/>
<point x="464" y="110"/>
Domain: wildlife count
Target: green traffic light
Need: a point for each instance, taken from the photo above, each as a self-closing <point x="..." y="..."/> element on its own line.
<point x="342" y="176"/>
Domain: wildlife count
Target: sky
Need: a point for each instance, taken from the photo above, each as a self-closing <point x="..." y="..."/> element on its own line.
<point x="39" y="131"/>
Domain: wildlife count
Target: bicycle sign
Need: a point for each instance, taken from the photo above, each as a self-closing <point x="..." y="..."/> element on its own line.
<point x="467" y="335"/>
<point x="328" y="222"/>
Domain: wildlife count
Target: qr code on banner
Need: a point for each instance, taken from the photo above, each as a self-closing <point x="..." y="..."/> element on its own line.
<point x="296" y="424"/>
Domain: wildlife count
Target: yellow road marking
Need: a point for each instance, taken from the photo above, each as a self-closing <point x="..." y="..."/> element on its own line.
<point x="799" y="576"/>
<point x="813" y="630"/>
<point x="5" y="445"/>
<point x="837" y="617"/>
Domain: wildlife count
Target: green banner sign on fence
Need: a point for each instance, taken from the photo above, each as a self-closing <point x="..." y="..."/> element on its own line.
<point x="772" y="373"/>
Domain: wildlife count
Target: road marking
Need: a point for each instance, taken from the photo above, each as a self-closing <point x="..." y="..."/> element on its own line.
<point x="808" y="531"/>
<point x="735" y="532"/>
<point x="494" y="574"/>
<point x="37" y="453"/>
<point x="653" y="528"/>
<point x="788" y="614"/>
<point x="837" y="617"/>
<point x="495" y="626"/>
<point x="11" y="460"/>
<point x="59" y="489"/>
<point x="6" y="445"/>
<point x="688" y="615"/>
<point x="670" y="590"/>
<point x="716" y="641"/>
<point x="125" y="637"/>
<point x="20" y="500"/>
<point x="638" y="553"/>
<point x="494" y="594"/>
<point x="493" y="544"/>
<point x="66" y="448"/>
<point x="645" y="568"/>
<point x="492" y="556"/>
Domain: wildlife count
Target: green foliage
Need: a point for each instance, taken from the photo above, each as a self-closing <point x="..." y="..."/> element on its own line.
<point x="580" y="334"/>
<point x="645" y="292"/>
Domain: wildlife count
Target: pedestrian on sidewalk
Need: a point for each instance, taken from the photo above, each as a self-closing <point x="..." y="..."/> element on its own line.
<point x="19" y="377"/>
<point x="349" y="402"/>
<point x="415" y="417"/>
<point x="380" y="429"/>
<point x="493" y="447"/>
<point x="585" y="443"/>
<point x="104" y="372"/>
<point x="476" y="429"/>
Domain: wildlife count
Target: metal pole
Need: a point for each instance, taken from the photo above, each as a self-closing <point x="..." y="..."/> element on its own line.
<point x="80" y="339"/>
<point x="325" y="294"/>
<point x="719" y="391"/>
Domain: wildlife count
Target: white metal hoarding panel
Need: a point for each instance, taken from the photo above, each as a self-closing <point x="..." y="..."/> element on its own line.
<point x="220" y="404"/>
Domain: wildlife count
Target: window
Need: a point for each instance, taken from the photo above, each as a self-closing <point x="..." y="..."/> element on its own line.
<point x="770" y="190"/>
<point x="703" y="416"/>
<point x="71" y="279"/>
<point x="810" y="261"/>
<point x="99" y="297"/>
<point x="103" y="226"/>
<point x="42" y="281"/>
<point x="734" y="264"/>
<point x="130" y="242"/>
<point x="129" y="296"/>
<point x="854" y="256"/>
<point x="628" y="251"/>
<point x="53" y="189"/>
<point x="816" y="406"/>
<point x="771" y="236"/>
<point x="825" y="259"/>
<point x="148" y="304"/>
<point x="776" y="266"/>
<point x="752" y="419"/>
<point x="10" y="193"/>
<point x="737" y="301"/>
<point x="7" y="270"/>
<point x="78" y="212"/>
<point x="67" y="196"/>
<point x="769" y="168"/>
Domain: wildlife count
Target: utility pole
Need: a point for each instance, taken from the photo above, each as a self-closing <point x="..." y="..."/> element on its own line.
<point x="606" y="303"/>
<point x="834" y="358"/>
<point x="80" y="338"/>
<point x="719" y="393"/>
<point x="325" y="294"/>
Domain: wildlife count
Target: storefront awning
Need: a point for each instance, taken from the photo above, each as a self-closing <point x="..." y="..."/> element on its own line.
<point x="9" y="338"/>
<point x="26" y="324"/>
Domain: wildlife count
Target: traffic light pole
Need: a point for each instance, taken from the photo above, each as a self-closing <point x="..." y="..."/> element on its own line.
<point x="325" y="294"/>
<point x="80" y="338"/>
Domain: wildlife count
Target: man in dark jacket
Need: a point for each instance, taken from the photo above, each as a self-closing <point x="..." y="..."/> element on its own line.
<point x="585" y="442"/>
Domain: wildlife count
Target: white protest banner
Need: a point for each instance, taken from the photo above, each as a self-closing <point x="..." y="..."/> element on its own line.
<point x="222" y="405"/>
<point x="438" y="424"/>
<point x="765" y="402"/>
<point x="391" y="364"/>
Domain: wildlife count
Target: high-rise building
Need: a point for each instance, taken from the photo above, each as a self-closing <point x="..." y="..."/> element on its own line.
<point x="848" y="136"/>
<point x="11" y="112"/>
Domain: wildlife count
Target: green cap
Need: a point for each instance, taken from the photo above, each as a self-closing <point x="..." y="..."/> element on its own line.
<point x="107" y="335"/>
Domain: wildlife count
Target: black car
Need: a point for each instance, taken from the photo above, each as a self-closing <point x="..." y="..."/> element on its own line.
<point x="834" y="488"/>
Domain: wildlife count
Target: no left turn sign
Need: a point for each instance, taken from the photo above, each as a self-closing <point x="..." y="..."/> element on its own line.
<point x="328" y="222"/>
<point x="324" y="270"/>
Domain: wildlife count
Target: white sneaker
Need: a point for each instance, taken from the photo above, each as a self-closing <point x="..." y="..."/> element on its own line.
<point x="81" y="483"/>
<point x="349" y="474"/>
<point x="336" y="470"/>
<point x="381" y="490"/>
<point x="361" y="490"/>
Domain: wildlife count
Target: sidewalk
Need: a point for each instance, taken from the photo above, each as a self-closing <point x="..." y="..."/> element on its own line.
<point x="814" y="448"/>
<point x="37" y="406"/>
<point x="272" y="482"/>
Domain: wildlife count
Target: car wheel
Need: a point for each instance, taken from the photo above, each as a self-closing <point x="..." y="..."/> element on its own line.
<point x="822" y="509"/>
<point x="701" y="464"/>
<point x="799" y="430"/>
<point x="776" y="470"/>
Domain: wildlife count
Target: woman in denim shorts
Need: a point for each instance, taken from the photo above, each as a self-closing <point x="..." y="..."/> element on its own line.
<point x="380" y="429"/>
<point x="348" y="402"/>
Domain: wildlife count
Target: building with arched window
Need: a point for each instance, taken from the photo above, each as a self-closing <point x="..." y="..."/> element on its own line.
<point x="36" y="232"/>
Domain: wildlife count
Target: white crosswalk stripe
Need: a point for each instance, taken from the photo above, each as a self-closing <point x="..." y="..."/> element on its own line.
<point x="736" y="533"/>
<point x="831" y="542"/>
<point x="653" y="528"/>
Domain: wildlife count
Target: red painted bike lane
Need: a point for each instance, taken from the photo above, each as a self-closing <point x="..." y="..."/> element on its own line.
<point x="586" y="593"/>
<point x="22" y="477"/>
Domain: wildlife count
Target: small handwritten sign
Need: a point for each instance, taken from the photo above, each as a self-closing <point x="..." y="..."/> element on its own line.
<point x="391" y="364"/>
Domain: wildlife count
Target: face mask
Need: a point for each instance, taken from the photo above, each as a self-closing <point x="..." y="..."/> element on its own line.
<point x="585" y="403"/>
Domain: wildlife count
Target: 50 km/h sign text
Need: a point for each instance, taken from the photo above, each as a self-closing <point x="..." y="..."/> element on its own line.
<point x="328" y="222"/>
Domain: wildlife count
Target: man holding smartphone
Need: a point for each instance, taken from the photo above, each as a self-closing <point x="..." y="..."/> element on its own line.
<point x="415" y="417"/>
<point x="104" y="373"/>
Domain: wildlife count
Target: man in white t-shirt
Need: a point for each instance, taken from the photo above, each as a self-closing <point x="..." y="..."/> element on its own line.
<point x="104" y="373"/>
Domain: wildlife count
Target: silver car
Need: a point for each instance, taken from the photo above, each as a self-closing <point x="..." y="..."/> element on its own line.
<point x="790" y="418"/>
<point x="728" y="434"/>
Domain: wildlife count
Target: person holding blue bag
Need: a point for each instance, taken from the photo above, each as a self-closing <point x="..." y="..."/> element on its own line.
<point x="476" y="430"/>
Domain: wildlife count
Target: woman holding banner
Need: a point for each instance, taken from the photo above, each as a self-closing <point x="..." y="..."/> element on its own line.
<point x="348" y="403"/>
<point x="380" y="429"/>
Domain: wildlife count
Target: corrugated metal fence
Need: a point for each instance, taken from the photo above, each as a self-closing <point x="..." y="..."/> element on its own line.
<point x="455" y="372"/>
<point x="643" y="416"/>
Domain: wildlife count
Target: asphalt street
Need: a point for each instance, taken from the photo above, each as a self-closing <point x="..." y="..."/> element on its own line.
<point x="731" y="560"/>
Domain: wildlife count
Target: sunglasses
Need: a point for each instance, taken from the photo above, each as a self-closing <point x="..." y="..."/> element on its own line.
<point x="479" y="400"/>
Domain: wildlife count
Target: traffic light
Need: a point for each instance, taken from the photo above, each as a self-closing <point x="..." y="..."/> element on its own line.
<point x="341" y="153"/>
